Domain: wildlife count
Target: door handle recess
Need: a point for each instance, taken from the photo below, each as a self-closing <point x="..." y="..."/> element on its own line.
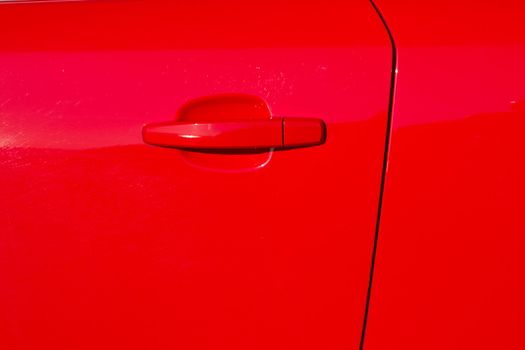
<point x="269" y="134"/>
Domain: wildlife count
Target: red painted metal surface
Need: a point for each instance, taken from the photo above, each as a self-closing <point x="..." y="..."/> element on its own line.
<point x="240" y="135"/>
<point x="303" y="132"/>
<point x="450" y="262"/>
<point x="109" y="243"/>
<point x="233" y="123"/>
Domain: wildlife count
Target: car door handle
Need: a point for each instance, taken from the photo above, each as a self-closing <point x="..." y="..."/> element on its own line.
<point x="270" y="134"/>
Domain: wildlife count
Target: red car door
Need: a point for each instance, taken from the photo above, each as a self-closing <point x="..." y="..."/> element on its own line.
<point x="109" y="243"/>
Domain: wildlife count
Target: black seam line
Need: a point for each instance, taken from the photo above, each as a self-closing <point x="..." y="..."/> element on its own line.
<point x="393" y="75"/>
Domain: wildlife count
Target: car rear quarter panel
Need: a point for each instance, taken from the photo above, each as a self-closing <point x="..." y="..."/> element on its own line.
<point x="450" y="263"/>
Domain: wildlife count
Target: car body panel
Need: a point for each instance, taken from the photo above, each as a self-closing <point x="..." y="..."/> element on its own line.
<point x="449" y="264"/>
<point x="110" y="243"/>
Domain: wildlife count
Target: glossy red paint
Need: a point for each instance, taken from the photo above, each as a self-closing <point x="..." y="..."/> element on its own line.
<point x="109" y="243"/>
<point x="303" y="132"/>
<point x="449" y="266"/>
<point x="233" y="123"/>
<point x="240" y="135"/>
